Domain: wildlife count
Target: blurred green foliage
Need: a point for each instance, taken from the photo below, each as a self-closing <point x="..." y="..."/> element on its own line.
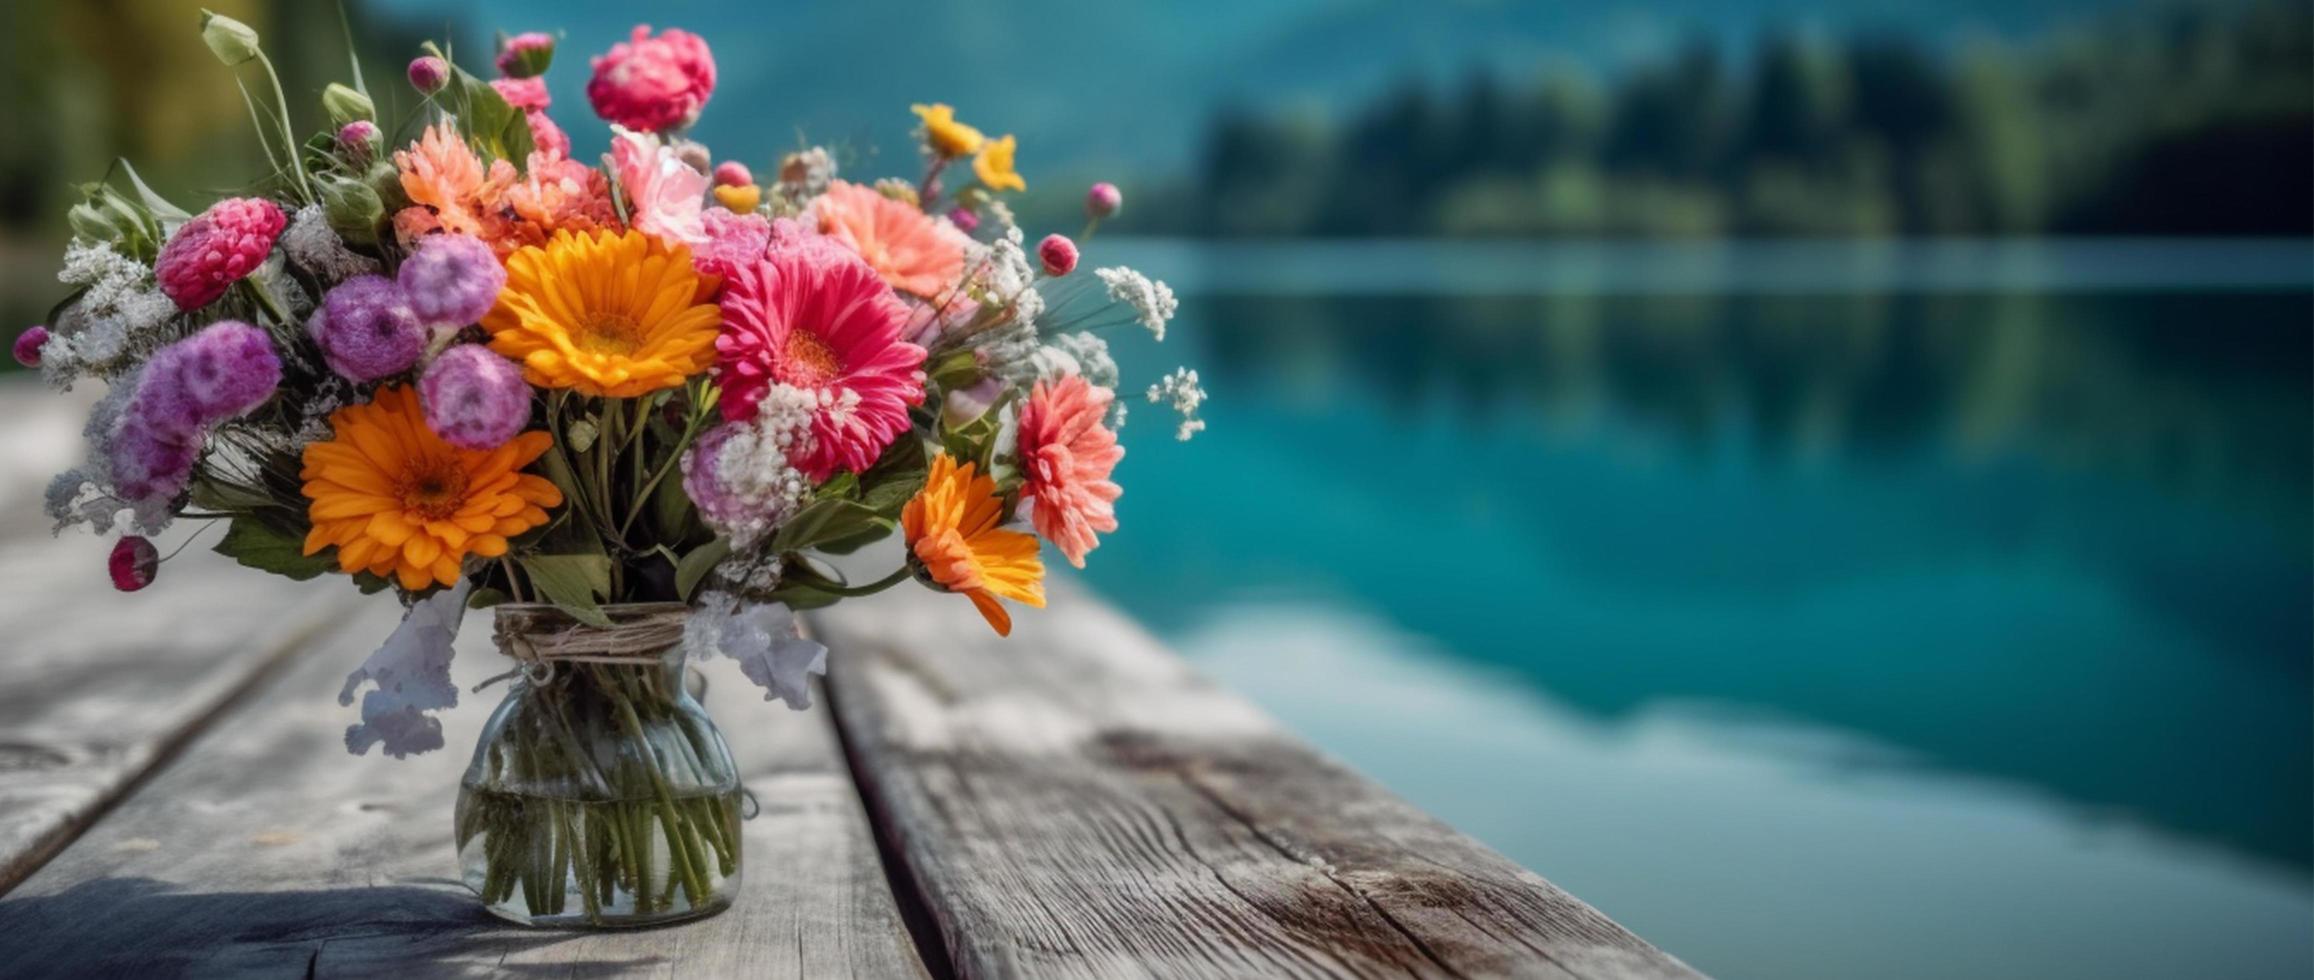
<point x="2182" y="121"/>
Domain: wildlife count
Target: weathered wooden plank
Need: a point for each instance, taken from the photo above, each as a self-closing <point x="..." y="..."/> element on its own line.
<point x="1077" y="801"/>
<point x="97" y="688"/>
<point x="265" y="848"/>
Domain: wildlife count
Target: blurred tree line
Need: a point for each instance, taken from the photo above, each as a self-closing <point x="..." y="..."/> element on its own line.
<point x="2189" y="121"/>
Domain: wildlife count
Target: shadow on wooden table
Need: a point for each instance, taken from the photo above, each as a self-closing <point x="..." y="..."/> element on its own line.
<point x="109" y="925"/>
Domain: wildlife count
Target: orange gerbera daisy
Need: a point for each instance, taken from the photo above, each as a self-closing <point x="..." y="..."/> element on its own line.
<point x="914" y="252"/>
<point x="613" y="314"/>
<point x="398" y="502"/>
<point x="952" y="532"/>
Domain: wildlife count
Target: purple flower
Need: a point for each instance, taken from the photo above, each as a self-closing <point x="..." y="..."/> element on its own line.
<point x="222" y="372"/>
<point x="451" y="280"/>
<point x="28" y="345"/>
<point x="964" y="220"/>
<point x="366" y="329"/>
<point x="152" y="458"/>
<point x="474" y="398"/>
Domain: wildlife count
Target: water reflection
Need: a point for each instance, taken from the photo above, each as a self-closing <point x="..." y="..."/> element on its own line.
<point x="2053" y="540"/>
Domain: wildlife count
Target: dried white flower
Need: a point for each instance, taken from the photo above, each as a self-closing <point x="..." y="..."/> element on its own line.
<point x="1182" y="390"/>
<point x="319" y="251"/>
<point x="763" y="637"/>
<point x="739" y="475"/>
<point x="412" y="674"/>
<point x="1081" y="354"/>
<point x="119" y="316"/>
<point x="1152" y="301"/>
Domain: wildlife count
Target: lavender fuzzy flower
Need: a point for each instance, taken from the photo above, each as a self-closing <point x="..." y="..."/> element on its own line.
<point x="452" y="280"/>
<point x="366" y="329"/>
<point x="474" y="398"/>
<point x="222" y="372"/>
<point x="152" y="457"/>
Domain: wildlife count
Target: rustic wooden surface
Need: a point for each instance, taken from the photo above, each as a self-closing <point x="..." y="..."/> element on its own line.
<point x="175" y="800"/>
<point x="1076" y="801"/>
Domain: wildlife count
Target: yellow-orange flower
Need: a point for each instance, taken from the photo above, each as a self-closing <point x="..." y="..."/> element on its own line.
<point x="615" y="314"/>
<point x="398" y="502"/>
<point x="951" y="527"/>
<point x="946" y="136"/>
<point x="994" y="166"/>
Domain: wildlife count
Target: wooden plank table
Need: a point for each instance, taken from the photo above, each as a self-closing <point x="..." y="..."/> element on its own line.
<point x="175" y="800"/>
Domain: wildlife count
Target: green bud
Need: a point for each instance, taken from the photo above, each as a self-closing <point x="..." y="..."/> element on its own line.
<point x="233" y="41"/>
<point x="345" y="105"/>
<point x="353" y="209"/>
<point x="92" y="223"/>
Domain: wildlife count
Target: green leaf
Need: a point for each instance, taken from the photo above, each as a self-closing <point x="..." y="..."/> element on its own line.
<point x="879" y="529"/>
<point x="251" y="542"/>
<point x="496" y="128"/>
<point x="823" y="522"/>
<point x="887" y="486"/>
<point x="697" y="564"/>
<point x="170" y="215"/>
<point x="575" y="583"/>
<point x="372" y="584"/>
<point x="486" y="597"/>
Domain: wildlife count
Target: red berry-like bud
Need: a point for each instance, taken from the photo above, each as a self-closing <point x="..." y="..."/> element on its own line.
<point x="28" y="345"/>
<point x="134" y="563"/>
<point x="1058" y="254"/>
<point x="732" y="173"/>
<point x="428" y="74"/>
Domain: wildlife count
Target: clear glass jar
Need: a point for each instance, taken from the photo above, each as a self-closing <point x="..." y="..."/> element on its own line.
<point x="601" y="794"/>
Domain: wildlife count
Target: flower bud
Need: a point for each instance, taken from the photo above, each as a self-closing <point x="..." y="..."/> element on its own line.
<point x="694" y="155"/>
<point x="134" y="562"/>
<point x="732" y="173"/>
<point x="232" y="41"/>
<point x="1058" y="254"/>
<point x="428" y="74"/>
<point x="358" y="140"/>
<point x="739" y="199"/>
<point x="346" y="105"/>
<point x="1103" y="200"/>
<point x="964" y="219"/>
<point x="28" y="345"/>
<point x="95" y="223"/>
<point x="353" y="209"/>
<point x="526" y="55"/>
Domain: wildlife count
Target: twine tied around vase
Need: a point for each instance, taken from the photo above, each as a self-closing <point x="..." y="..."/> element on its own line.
<point x="537" y="638"/>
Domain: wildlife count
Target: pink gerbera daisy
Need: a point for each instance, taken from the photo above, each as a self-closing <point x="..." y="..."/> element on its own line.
<point x="1066" y="456"/>
<point x="914" y="252"/>
<point x="819" y="319"/>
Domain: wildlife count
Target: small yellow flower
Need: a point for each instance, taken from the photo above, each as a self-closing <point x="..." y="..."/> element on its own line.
<point x="994" y="166"/>
<point x="740" y="199"/>
<point x="947" y="137"/>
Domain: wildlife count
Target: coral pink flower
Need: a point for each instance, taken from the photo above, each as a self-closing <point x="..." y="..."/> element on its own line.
<point x="443" y="179"/>
<point x="214" y="250"/>
<point x="1066" y="455"/>
<point x="653" y="84"/>
<point x="819" y="319"/>
<point x="665" y="197"/>
<point x="914" y="252"/>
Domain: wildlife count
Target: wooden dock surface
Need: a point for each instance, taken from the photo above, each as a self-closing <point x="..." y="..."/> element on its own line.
<point x="176" y="800"/>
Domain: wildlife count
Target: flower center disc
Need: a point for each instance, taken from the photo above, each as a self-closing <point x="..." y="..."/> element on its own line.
<point x="808" y="361"/>
<point x="610" y="334"/>
<point x="433" y="490"/>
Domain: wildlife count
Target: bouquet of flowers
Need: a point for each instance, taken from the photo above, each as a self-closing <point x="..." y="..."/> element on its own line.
<point x="633" y="406"/>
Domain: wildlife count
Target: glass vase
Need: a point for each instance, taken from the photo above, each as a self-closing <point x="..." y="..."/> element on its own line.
<point x="601" y="795"/>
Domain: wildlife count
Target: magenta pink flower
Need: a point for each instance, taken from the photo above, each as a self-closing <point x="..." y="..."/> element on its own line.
<point x="819" y="319"/>
<point x="526" y="55"/>
<point x="134" y="563"/>
<point x="1066" y="456"/>
<point x="1103" y="200"/>
<point x="215" y="249"/>
<point x="428" y="74"/>
<point x="665" y="196"/>
<point x="526" y="94"/>
<point x="28" y="345"/>
<point x="734" y="241"/>
<point x="653" y="84"/>
<point x="732" y="173"/>
<point x="1058" y="254"/>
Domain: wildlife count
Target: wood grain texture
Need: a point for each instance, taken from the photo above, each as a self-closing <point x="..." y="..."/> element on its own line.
<point x="266" y="850"/>
<point x="1076" y="801"/>
<point x="97" y="688"/>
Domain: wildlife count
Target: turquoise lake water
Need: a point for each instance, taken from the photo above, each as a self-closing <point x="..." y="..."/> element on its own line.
<point x="1814" y="610"/>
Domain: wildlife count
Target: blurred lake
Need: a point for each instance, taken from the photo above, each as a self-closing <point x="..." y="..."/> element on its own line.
<point x="1816" y="610"/>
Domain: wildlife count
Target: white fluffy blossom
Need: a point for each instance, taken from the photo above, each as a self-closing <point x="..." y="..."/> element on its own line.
<point x="412" y="674"/>
<point x="763" y="637"/>
<point x="1152" y="301"/>
<point x="1081" y="354"/>
<point x="1008" y="277"/>
<point x="1182" y="390"/>
<point x="118" y="318"/>
<point x="317" y="249"/>
<point x="739" y="474"/>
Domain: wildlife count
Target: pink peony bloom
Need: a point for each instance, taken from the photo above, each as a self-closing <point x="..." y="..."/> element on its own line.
<point x="1066" y="456"/>
<point x="733" y="241"/>
<point x="653" y="84"/>
<point x="819" y="319"/>
<point x="525" y="94"/>
<point x="914" y="252"/>
<point x="665" y="197"/>
<point x="215" y="249"/>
